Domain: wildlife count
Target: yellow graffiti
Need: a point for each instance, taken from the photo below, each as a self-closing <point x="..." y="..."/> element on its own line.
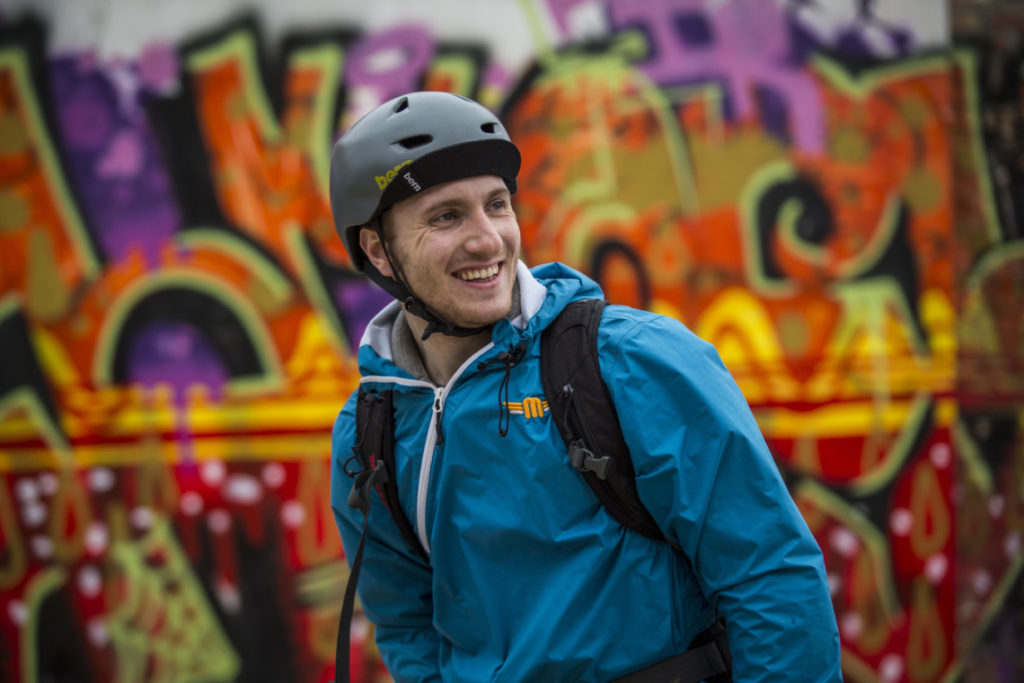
<point x="926" y="642"/>
<point x="933" y="523"/>
<point x="161" y="617"/>
<point x="70" y="517"/>
<point x="316" y="540"/>
<point x="14" y="560"/>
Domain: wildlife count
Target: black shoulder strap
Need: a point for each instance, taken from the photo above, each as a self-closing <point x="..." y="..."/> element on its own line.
<point x="708" y="660"/>
<point x="586" y="417"/>
<point x="375" y="452"/>
<point x="375" y="444"/>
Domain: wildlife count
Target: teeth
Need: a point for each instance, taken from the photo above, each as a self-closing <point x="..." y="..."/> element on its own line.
<point x="478" y="273"/>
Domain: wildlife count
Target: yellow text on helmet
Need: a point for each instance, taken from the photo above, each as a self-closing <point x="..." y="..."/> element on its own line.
<point x="385" y="180"/>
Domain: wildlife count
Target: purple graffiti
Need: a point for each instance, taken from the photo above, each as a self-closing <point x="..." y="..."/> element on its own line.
<point x="390" y="63"/>
<point x="112" y="159"/>
<point x="177" y="354"/>
<point x="744" y="45"/>
<point x="158" y="68"/>
<point x="856" y="30"/>
<point x="563" y="12"/>
<point x="358" y="301"/>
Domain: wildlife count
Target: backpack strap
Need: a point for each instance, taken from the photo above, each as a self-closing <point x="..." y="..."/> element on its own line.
<point x="708" y="660"/>
<point x="375" y="444"/>
<point x="375" y="452"/>
<point x="586" y="417"/>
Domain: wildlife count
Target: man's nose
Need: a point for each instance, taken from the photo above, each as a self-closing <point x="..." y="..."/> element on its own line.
<point x="483" y="236"/>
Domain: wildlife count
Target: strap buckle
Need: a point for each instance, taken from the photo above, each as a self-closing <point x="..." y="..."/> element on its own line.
<point x="359" y="496"/>
<point x="584" y="460"/>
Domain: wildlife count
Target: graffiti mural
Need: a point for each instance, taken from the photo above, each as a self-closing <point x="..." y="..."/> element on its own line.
<point x="989" y="271"/>
<point x="829" y="199"/>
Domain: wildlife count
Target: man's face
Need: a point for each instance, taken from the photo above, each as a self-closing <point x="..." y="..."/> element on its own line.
<point x="457" y="245"/>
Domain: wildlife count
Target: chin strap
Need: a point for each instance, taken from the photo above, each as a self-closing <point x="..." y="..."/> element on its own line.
<point x="397" y="288"/>
<point x="436" y="324"/>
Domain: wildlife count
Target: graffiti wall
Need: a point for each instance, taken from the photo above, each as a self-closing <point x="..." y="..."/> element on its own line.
<point x="831" y="193"/>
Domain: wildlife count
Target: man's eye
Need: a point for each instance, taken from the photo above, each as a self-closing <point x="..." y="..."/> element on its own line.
<point x="445" y="217"/>
<point x="498" y="204"/>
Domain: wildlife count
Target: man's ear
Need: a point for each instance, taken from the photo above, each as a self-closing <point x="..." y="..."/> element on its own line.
<point x="370" y="242"/>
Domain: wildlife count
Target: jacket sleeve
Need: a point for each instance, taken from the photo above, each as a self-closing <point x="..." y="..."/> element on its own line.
<point x="395" y="586"/>
<point x="707" y="476"/>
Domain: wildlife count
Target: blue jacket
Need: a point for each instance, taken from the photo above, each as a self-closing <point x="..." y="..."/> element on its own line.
<point x="529" y="578"/>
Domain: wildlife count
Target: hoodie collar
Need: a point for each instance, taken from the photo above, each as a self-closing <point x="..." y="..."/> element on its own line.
<point x="542" y="294"/>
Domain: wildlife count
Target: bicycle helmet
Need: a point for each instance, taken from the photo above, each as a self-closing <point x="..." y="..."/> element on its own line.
<point x="402" y="147"/>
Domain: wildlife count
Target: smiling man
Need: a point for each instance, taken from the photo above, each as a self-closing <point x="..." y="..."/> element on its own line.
<point x="485" y="555"/>
<point x="459" y="241"/>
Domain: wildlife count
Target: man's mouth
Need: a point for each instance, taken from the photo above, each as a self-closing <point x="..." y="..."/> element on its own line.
<point x="478" y="274"/>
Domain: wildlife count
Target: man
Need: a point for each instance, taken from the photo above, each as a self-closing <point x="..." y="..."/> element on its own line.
<point x="522" y="575"/>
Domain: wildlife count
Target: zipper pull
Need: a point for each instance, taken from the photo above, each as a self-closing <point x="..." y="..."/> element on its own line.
<point x="438" y="408"/>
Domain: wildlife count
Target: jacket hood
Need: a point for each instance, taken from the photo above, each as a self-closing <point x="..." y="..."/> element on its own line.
<point x="543" y="292"/>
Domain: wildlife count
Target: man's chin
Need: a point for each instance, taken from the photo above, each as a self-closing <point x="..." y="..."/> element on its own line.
<point x="473" y="323"/>
<point x="482" y="318"/>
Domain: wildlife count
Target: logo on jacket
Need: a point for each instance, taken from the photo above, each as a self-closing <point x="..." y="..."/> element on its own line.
<point x="532" y="406"/>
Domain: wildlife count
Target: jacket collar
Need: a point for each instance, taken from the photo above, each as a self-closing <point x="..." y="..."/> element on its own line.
<point x="389" y="337"/>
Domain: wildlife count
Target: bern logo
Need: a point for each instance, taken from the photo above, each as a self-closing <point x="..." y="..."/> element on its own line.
<point x="384" y="180"/>
<point x="412" y="181"/>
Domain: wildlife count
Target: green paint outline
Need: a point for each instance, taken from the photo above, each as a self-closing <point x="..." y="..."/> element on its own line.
<point x="876" y="544"/>
<point x="970" y="455"/>
<point x="39" y="586"/>
<point x="240" y="45"/>
<point x="995" y="603"/>
<point x="459" y="64"/>
<point x="266" y="271"/>
<point x="884" y="233"/>
<point x="52" y="432"/>
<point x="322" y="584"/>
<point x="613" y="68"/>
<point x="789" y="213"/>
<point x="579" y="247"/>
<point x="313" y="286"/>
<point x="536" y="27"/>
<point x="13" y="60"/>
<point x="992" y="261"/>
<point x="898" y="453"/>
<point x="244" y="310"/>
<point x="10" y="303"/>
<point x="330" y="60"/>
<point x="711" y="94"/>
<point x="861" y="85"/>
<point x="759" y="181"/>
<point x="224" y="663"/>
<point x="871" y="295"/>
<point x="966" y="62"/>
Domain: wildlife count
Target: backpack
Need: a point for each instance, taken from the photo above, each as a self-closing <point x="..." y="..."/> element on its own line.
<point x="588" y="423"/>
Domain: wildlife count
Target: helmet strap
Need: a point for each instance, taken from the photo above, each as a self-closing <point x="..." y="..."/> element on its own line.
<point x="399" y="288"/>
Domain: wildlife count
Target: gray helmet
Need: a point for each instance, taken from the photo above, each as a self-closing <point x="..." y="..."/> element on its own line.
<point x="406" y="145"/>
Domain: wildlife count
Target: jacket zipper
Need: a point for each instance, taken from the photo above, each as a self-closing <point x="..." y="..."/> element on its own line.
<point x="434" y="439"/>
<point x="438" y="408"/>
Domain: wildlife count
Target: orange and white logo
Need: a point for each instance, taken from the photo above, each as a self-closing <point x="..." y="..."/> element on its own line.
<point x="531" y="406"/>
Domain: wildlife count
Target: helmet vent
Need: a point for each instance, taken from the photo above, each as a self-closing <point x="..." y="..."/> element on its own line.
<point x="416" y="141"/>
<point x="488" y="127"/>
<point x="402" y="105"/>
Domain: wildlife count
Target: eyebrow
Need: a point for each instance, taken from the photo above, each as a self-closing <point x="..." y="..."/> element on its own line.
<point x="459" y="202"/>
